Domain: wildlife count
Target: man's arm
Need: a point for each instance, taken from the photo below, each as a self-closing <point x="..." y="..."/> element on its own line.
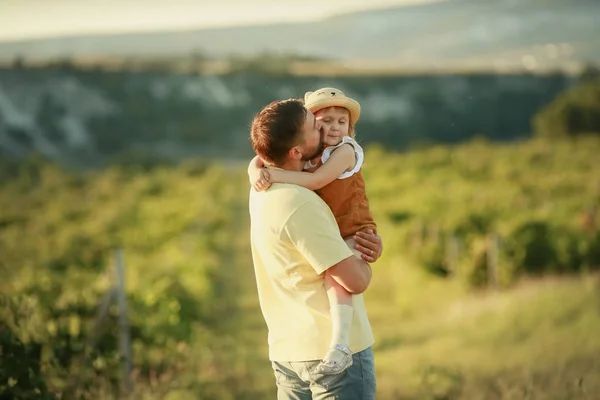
<point x="313" y="231"/>
<point x="352" y="274"/>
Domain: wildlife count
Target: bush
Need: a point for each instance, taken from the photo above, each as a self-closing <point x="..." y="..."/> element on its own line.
<point x="20" y="368"/>
<point x="573" y="113"/>
<point x="531" y="247"/>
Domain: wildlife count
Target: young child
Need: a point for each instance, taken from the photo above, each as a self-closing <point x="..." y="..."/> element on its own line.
<point x="336" y="177"/>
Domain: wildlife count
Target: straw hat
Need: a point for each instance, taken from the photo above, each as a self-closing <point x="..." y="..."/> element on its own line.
<point x="331" y="97"/>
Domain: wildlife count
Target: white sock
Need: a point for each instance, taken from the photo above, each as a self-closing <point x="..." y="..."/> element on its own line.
<point x="341" y="319"/>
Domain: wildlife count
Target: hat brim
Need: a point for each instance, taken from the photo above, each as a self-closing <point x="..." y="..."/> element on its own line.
<point x="350" y="104"/>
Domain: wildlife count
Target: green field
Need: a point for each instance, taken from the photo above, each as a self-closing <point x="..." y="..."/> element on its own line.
<point x="442" y="332"/>
<point x="537" y="340"/>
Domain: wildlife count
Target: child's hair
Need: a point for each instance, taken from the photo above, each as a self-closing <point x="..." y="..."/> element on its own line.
<point x="332" y="97"/>
<point x="351" y="131"/>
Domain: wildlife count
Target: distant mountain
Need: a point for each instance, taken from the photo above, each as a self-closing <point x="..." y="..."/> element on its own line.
<point x="83" y="117"/>
<point x="526" y="33"/>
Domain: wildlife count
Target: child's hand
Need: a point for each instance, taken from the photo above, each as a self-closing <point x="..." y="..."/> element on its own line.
<point x="254" y="168"/>
<point x="260" y="179"/>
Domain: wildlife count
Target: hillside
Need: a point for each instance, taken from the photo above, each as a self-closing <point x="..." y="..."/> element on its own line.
<point x="90" y="117"/>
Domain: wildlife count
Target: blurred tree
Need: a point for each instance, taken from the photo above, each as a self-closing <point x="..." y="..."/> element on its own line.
<point x="572" y="113"/>
<point x="19" y="62"/>
<point x="20" y="369"/>
<point x="590" y="72"/>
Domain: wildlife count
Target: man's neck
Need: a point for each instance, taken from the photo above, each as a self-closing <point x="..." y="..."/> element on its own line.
<point x="292" y="165"/>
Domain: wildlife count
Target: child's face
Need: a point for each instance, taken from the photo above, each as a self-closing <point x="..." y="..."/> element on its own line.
<point x="335" y="122"/>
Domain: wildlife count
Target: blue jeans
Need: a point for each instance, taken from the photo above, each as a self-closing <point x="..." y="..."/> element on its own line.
<point x="296" y="381"/>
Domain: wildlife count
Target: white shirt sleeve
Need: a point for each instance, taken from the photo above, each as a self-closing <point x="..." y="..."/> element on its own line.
<point x="358" y="151"/>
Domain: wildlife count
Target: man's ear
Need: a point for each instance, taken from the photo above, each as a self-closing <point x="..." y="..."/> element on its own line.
<point x="295" y="153"/>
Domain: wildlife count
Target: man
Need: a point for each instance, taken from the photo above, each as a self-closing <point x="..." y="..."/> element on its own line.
<point x="295" y="239"/>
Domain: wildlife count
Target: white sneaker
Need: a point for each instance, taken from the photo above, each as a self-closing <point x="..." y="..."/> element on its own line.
<point x="335" y="367"/>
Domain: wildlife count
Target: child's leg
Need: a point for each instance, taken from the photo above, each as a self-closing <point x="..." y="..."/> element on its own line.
<point x="339" y="356"/>
<point x="340" y="302"/>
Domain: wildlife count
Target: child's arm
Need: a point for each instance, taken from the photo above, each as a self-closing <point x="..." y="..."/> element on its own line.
<point x="256" y="164"/>
<point x="341" y="160"/>
<point x="258" y="175"/>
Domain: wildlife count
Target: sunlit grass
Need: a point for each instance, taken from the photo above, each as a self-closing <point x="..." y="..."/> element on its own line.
<point x="197" y="327"/>
<point x="532" y="328"/>
<point x="435" y="340"/>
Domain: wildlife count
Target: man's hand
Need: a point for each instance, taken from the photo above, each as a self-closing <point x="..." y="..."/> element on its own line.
<point x="369" y="244"/>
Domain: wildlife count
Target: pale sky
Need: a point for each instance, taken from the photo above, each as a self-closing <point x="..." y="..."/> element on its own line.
<point x="25" y="19"/>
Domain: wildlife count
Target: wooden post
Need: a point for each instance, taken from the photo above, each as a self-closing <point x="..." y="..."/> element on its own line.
<point x="124" y="334"/>
<point x="433" y="234"/>
<point x="589" y="220"/>
<point x="492" y="260"/>
<point x="417" y="239"/>
<point x="452" y="254"/>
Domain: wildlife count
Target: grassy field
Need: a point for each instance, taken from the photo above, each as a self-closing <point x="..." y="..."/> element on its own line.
<point x="436" y="338"/>
<point x="197" y="330"/>
<point x="538" y="340"/>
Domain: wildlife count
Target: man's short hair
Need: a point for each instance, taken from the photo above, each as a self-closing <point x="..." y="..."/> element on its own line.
<point x="276" y="129"/>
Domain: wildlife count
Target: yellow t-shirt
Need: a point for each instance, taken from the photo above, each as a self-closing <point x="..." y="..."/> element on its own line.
<point x="294" y="239"/>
